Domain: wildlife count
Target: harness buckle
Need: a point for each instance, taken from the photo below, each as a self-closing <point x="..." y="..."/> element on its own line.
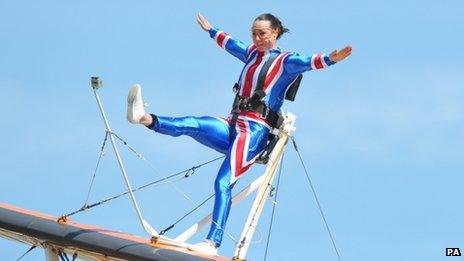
<point x="265" y="111"/>
<point x="244" y="104"/>
<point x="236" y="88"/>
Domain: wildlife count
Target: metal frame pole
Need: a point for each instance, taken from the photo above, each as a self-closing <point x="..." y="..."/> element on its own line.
<point x="187" y="234"/>
<point x="50" y="253"/>
<point x="96" y="84"/>
<point x="264" y="189"/>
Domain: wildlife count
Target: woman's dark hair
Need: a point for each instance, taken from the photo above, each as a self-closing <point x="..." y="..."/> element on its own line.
<point x="275" y="23"/>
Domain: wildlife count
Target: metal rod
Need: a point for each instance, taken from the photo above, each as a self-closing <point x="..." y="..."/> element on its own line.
<point x="264" y="189"/>
<point x="50" y="253"/>
<point x="96" y="84"/>
<point x="187" y="234"/>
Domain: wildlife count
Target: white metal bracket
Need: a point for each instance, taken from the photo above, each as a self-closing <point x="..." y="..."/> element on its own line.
<point x="285" y="131"/>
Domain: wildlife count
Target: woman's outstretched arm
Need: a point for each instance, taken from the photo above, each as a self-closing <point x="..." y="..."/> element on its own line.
<point x="234" y="47"/>
<point x="296" y="63"/>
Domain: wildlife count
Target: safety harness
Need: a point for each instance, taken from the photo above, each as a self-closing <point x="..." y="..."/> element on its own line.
<point x="256" y="103"/>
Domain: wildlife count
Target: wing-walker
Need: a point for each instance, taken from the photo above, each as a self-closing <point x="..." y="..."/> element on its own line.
<point x="60" y="237"/>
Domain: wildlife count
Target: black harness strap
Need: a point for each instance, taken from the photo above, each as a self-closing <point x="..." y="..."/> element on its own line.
<point x="235" y="111"/>
<point x="263" y="73"/>
<point x="256" y="103"/>
<point x="253" y="103"/>
<point x="271" y="142"/>
<point x="293" y="88"/>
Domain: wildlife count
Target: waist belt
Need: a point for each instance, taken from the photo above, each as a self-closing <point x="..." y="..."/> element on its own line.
<point x="255" y="103"/>
<point x="274" y="120"/>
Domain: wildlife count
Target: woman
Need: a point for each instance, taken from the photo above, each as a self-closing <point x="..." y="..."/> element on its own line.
<point x="264" y="81"/>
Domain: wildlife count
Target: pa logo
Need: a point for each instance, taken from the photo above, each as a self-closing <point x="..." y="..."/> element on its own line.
<point x="453" y="251"/>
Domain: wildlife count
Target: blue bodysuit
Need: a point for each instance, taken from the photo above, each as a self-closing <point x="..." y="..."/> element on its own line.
<point x="249" y="139"/>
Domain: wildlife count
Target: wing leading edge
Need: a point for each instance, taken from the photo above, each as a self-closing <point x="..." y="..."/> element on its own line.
<point x="89" y="242"/>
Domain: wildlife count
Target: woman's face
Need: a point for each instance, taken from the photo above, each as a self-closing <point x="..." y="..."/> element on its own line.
<point x="264" y="37"/>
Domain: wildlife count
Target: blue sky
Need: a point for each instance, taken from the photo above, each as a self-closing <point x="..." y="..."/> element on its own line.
<point x="382" y="132"/>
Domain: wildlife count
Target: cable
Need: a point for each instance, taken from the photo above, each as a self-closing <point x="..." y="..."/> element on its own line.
<point x="273" y="207"/>
<point x="30" y="249"/>
<point x="229" y="235"/>
<point x="139" y="155"/>
<point x="188" y="173"/>
<point x="253" y="217"/>
<point x="316" y="198"/>
<point x="127" y="145"/>
<point x="63" y="256"/>
<point x="190" y="212"/>
<point x="102" y="153"/>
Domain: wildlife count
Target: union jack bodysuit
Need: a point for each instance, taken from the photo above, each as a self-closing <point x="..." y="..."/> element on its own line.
<point x="251" y="130"/>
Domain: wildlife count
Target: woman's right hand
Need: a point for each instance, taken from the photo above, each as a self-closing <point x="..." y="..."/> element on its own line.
<point x="205" y="25"/>
<point x="337" y="56"/>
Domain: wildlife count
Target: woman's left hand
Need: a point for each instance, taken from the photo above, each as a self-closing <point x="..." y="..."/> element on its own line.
<point x="204" y="24"/>
<point x="337" y="56"/>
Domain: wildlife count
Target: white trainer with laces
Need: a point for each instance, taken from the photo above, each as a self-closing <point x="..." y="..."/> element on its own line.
<point x="135" y="109"/>
<point x="206" y="247"/>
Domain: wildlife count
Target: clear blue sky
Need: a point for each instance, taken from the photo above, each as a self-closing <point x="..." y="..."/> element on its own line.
<point x="382" y="132"/>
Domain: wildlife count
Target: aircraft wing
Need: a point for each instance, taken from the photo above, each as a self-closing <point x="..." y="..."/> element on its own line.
<point x="87" y="241"/>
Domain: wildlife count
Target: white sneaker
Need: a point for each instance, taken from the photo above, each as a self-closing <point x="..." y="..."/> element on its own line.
<point x="135" y="109"/>
<point x="206" y="247"/>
